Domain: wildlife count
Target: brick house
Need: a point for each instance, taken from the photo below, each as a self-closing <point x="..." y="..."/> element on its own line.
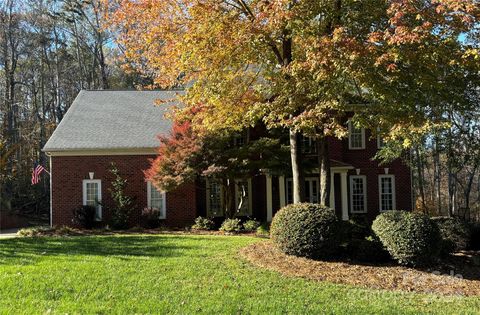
<point x="102" y="127"/>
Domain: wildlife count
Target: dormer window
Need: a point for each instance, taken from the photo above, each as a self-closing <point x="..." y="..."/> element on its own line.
<point x="356" y="137"/>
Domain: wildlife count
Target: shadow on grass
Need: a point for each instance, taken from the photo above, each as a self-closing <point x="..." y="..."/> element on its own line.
<point x="29" y="250"/>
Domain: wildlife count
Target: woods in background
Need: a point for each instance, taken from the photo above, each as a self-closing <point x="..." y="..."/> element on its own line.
<point x="446" y="169"/>
<point x="49" y="51"/>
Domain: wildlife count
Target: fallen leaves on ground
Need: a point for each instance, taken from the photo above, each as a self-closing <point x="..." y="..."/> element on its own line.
<point x="440" y="280"/>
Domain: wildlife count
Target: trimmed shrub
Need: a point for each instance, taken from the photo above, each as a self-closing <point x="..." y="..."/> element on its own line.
<point x="84" y="216"/>
<point x="410" y="238"/>
<point x="369" y="250"/>
<point x="306" y="229"/>
<point x="251" y="225"/>
<point x="455" y="234"/>
<point x="202" y="223"/>
<point x="231" y="226"/>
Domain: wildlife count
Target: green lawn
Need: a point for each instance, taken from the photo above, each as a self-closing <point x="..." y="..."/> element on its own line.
<point x="177" y="274"/>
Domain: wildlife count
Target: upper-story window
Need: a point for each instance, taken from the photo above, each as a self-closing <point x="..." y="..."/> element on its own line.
<point x="380" y="139"/>
<point x="309" y="145"/>
<point x="356" y="137"/>
<point x="380" y="142"/>
<point x="240" y="139"/>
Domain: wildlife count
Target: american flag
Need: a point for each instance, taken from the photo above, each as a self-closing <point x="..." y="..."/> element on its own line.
<point x="37" y="170"/>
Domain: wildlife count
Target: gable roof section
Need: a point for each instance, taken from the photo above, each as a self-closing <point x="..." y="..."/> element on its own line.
<point x="113" y="120"/>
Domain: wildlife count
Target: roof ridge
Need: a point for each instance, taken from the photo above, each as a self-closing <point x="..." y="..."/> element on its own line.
<point x="133" y="90"/>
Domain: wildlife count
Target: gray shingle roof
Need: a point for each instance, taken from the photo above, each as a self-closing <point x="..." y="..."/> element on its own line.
<point x="99" y="120"/>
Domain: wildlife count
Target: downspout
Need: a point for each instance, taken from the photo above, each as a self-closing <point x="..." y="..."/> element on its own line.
<point x="51" y="204"/>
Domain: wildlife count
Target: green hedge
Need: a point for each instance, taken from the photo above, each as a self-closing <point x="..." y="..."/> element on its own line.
<point x="307" y="230"/>
<point x="455" y="234"/>
<point x="410" y="238"/>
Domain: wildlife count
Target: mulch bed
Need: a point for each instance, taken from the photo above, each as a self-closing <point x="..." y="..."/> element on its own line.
<point x="444" y="279"/>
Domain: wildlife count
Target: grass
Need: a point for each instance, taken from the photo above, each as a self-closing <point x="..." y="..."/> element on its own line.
<point x="177" y="274"/>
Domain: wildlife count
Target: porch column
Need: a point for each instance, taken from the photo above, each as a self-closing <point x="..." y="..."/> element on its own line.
<point x="269" y="197"/>
<point x="281" y="185"/>
<point x="343" y="177"/>
<point x="332" y="190"/>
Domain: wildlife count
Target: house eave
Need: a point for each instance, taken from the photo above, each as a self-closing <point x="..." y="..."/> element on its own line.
<point x="100" y="152"/>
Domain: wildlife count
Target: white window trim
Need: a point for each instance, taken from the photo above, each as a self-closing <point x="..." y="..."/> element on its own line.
<point x="350" y="147"/>
<point x="379" y="142"/>
<point x="249" y="183"/>
<point x="207" y="196"/>
<point x="311" y="144"/>
<point x="365" y="195"/>
<point x="98" y="217"/>
<point x="163" y="215"/>
<point x="394" y="202"/>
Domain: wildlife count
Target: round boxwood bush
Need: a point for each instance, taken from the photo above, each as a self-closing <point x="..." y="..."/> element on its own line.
<point x="455" y="234"/>
<point x="307" y="230"/>
<point x="410" y="238"/>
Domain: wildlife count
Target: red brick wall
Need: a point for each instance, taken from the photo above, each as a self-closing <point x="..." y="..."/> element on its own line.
<point x="363" y="160"/>
<point x="68" y="172"/>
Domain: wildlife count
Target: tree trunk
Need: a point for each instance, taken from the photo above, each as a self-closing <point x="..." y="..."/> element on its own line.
<point x="228" y="198"/>
<point x="451" y="193"/>
<point x="298" y="177"/>
<point x="421" y="180"/>
<point x="324" y="171"/>
<point x="437" y="176"/>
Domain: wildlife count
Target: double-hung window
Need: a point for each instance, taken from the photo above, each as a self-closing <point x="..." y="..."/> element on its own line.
<point x="240" y="139"/>
<point x="92" y="196"/>
<point x="356" y="137"/>
<point x="358" y="194"/>
<point x="156" y="200"/>
<point x="309" y="145"/>
<point x="386" y="192"/>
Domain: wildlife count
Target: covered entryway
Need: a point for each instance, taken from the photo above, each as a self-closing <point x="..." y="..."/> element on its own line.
<point x="338" y="197"/>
